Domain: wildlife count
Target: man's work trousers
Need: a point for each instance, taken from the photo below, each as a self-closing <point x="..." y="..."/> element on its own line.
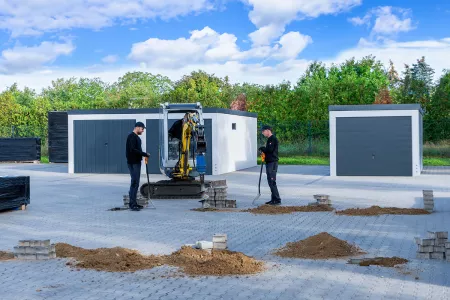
<point x="271" y="171"/>
<point x="135" y="173"/>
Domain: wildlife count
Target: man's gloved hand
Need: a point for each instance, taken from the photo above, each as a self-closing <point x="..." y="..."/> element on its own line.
<point x="261" y="148"/>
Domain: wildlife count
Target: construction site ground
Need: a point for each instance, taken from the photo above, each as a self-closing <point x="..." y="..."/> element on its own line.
<point x="73" y="209"/>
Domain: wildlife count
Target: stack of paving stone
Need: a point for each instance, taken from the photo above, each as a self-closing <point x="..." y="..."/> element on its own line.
<point x="35" y="250"/>
<point x="321" y="200"/>
<point x="220" y="241"/>
<point x="217" y="190"/>
<point x="217" y="195"/>
<point x="428" y="201"/>
<point x="434" y="246"/>
<point x="141" y="200"/>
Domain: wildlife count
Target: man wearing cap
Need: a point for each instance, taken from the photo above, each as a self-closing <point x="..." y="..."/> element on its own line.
<point x="271" y="153"/>
<point x="134" y="155"/>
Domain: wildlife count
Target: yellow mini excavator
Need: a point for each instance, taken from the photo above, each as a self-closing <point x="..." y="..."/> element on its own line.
<point x="182" y="150"/>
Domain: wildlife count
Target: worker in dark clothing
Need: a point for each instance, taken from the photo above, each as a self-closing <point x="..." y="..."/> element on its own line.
<point x="134" y="156"/>
<point x="271" y="153"/>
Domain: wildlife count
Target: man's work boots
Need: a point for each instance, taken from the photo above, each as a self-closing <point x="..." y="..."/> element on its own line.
<point x="271" y="202"/>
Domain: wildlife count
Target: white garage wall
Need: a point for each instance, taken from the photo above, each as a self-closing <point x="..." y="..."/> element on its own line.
<point x="234" y="149"/>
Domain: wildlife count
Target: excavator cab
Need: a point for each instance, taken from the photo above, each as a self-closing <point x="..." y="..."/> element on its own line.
<point x="182" y="153"/>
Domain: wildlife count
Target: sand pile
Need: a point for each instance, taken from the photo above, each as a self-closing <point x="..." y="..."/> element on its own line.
<point x="191" y="261"/>
<point x="218" y="262"/>
<point x="320" y="246"/>
<point x="376" y="210"/>
<point x="6" y="255"/>
<point x="108" y="259"/>
<point x="384" y="261"/>
<point x="278" y="210"/>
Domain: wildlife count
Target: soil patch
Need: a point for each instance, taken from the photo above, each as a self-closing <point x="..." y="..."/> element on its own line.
<point x="6" y="255"/>
<point x="320" y="246"/>
<point x="108" y="259"/>
<point x="191" y="261"/>
<point x="278" y="210"/>
<point x="376" y="211"/>
<point x="389" y="262"/>
<point x="213" y="209"/>
<point x="218" y="262"/>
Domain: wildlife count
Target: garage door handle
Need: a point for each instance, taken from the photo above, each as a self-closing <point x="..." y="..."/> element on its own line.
<point x="106" y="144"/>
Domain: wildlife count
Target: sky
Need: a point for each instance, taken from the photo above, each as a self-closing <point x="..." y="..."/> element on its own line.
<point x="256" y="41"/>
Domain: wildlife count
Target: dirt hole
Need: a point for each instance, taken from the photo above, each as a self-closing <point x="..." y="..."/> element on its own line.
<point x="278" y="210"/>
<point x="389" y="262"/>
<point x="191" y="261"/>
<point x="376" y="211"/>
<point x="213" y="209"/>
<point x="320" y="246"/>
<point x="6" y="255"/>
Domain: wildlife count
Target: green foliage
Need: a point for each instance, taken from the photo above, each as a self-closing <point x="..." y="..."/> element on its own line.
<point x="298" y="111"/>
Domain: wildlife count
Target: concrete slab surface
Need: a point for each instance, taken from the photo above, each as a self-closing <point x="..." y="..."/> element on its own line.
<point x="73" y="208"/>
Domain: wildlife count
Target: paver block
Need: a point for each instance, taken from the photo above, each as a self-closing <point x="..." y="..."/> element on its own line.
<point x="447" y="245"/>
<point x="26" y="256"/>
<point x="428" y="249"/>
<point x="220" y="245"/>
<point x="438" y="255"/>
<point x="423" y="255"/>
<point x="219" y="238"/>
<point x="440" y="242"/>
<point x="438" y="249"/>
<point x="427" y="242"/>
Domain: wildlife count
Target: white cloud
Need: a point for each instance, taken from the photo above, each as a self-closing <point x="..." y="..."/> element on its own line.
<point x="388" y="20"/>
<point x="208" y="46"/>
<point x="25" y="59"/>
<point x="292" y="44"/>
<point x="360" y="21"/>
<point x="266" y="34"/>
<point x="271" y="16"/>
<point x="110" y="59"/>
<point x="435" y="52"/>
<point x="33" y="17"/>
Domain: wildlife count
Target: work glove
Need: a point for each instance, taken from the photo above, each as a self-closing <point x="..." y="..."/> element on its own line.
<point x="261" y="149"/>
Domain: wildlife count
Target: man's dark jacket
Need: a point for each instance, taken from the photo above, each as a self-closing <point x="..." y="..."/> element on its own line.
<point x="271" y="149"/>
<point x="134" y="149"/>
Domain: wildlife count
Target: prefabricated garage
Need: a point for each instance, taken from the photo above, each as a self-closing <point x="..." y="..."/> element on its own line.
<point x="97" y="138"/>
<point x="376" y="140"/>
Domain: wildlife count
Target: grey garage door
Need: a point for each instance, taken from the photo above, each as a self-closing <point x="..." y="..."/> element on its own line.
<point x="373" y="146"/>
<point x="153" y="144"/>
<point x="99" y="146"/>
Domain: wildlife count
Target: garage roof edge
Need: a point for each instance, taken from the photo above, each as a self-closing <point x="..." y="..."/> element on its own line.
<point x="156" y="110"/>
<point x="375" y="107"/>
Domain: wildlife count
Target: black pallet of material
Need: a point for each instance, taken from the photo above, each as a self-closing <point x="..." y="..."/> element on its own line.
<point x="14" y="191"/>
<point x="58" y="137"/>
<point x="20" y="149"/>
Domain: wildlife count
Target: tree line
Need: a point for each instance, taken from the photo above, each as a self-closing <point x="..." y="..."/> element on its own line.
<point x="365" y="81"/>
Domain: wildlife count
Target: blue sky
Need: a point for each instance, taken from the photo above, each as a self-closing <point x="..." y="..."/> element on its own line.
<point x="260" y="41"/>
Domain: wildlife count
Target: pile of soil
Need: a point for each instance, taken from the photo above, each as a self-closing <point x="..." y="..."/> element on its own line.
<point x="320" y="246"/>
<point x="278" y="210"/>
<point x="389" y="262"/>
<point x="218" y="262"/>
<point x="191" y="261"/>
<point x="108" y="259"/>
<point x="6" y="255"/>
<point x="376" y="211"/>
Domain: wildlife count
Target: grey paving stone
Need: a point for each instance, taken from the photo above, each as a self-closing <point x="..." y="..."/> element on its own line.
<point x="73" y="209"/>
